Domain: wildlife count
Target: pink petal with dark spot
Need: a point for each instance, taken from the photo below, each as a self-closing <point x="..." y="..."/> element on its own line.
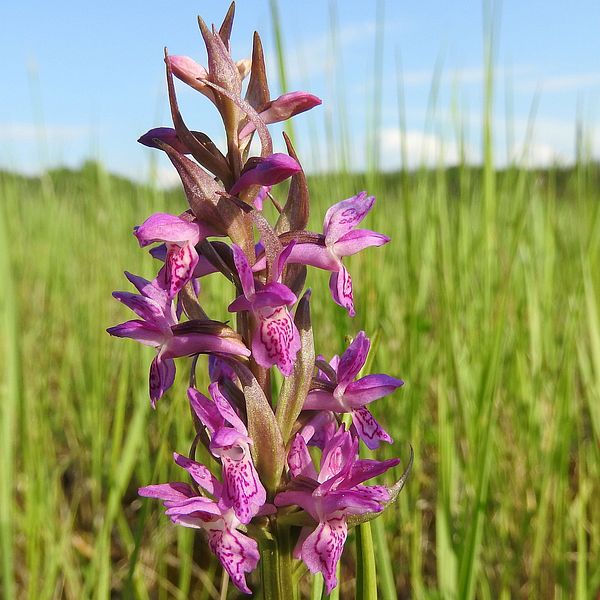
<point x="201" y="475"/>
<point x="242" y="489"/>
<point x="181" y="262"/>
<point x="299" y="460"/>
<point x="238" y="554"/>
<point x="340" y="285"/>
<point x="276" y="341"/>
<point x="322" y="549"/>
<point x="345" y="215"/>
<point x="162" y="376"/>
<point x="244" y="271"/>
<point x="369" y="430"/>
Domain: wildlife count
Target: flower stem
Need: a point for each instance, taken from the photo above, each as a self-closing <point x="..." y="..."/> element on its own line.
<point x="276" y="569"/>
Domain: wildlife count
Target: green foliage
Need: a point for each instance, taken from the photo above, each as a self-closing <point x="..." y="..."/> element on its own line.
<point x="489" y="313"/>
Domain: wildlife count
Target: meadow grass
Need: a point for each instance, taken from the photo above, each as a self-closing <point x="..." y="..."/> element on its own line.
<point x="489" y="310"/>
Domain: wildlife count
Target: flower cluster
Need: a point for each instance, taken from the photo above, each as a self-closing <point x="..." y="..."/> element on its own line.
<point x="264" y="478"/>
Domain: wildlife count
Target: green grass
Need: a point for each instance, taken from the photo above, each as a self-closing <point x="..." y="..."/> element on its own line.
<point x="491" y="316"/>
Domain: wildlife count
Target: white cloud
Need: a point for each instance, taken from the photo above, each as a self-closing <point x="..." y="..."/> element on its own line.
<point x="537" y="155"/>
<point x="562" y="83"/>
<point x="421" y="149"/>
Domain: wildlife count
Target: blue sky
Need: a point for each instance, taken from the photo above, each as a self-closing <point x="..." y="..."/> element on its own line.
<point x="85" y="79"/>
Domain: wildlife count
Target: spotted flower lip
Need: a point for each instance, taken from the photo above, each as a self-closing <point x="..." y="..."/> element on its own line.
<point x="330" y="496"/>
<point x="242" y="489"/>
<point x="276" y="340"/>
<point x="158" y="327"/>
<point x="180" y="237"/>
<point x="352" y="396"/>
<point x="283" y="108"/>
<point x="185" y="506"/>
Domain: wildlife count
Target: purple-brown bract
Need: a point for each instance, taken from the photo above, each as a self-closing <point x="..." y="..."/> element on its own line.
<point x="264" y="488"/>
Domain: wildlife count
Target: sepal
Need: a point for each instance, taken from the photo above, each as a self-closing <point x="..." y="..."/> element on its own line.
<point x="393" y="491"/>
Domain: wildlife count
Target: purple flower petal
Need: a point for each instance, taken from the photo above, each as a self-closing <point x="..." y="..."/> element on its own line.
<point x="273" y="295"/>
<point x="159" y="252"/>
<point x="314" y="255"/>
<point x="238" y="554"/>
<point x="174" y="491"/>
<point x="263" y="192"/>
<point x="269" y="170"/>
<point x="166" y="135"/>
<point x="303" y="499"/>
<point x="181" y="263"/>
<point x="152" y="290"/>
<point x="299" y="460"/>
<point x="205" y="410"/>
<point x="355" y="501"/>
<point x="323" y="400"/>
<point x="191" y="506"/>
<point x="187" y="344"/>
<point x="353" y="359"/>
<point x="337" y="456"/>
<point x="145" y="308"/>
<point x="240" y="304"/>
<point x="204" y="267"/>
<point x="364" y="469"/>
<point x="140" y="331"/>
<point x="320" y="429"/>
<point x="244" y="271"/>
<point x="226" y="410"/>
<point x="242" y="489"/>
<point x="323" y="548"/>
<point x="276" y="341"/>
<point x="162" y="227"/>
<point x="282" y="108"/>
<point x="369" y="388"/>
<point x="369" y="430"/>
<point x="201" y="475"/>
<point x="229" y="438"/>
<point x="340" y="285"/>
<point x="219" y="370"/>
<point x="345" y="215"/>
<point x="162" y="376"/>
<point x="356" y="240"/>
<point x="189" y="71"/>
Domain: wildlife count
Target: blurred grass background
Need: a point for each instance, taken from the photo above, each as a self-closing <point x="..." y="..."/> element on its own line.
<point x="488" y="306"/>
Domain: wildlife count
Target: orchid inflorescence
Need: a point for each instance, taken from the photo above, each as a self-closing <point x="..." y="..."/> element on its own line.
<point x="265" y="481"/>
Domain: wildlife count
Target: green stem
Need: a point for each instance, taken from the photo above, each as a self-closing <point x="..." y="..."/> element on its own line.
<point x="276" y="569"/>
<point x="366" y="577"/>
